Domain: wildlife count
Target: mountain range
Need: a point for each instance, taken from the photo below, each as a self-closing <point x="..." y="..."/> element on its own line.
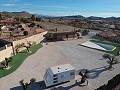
<point x="25" y="14"/>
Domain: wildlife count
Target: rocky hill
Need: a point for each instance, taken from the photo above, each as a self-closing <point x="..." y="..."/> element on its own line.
<point x="16" y="14"/>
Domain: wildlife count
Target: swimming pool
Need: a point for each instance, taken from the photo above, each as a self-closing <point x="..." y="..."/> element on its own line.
<point x="99" y="46"/>
<point x="107" y="47"/>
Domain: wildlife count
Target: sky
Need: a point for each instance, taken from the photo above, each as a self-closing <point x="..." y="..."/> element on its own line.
<point x="101" y="8"/>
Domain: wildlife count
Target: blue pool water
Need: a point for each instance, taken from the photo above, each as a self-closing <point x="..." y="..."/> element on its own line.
<point x="107" y="47"/>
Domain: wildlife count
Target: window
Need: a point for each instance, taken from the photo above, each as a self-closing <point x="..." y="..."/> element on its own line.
<point x="55" y="78"/>
<point x="72" y="73"/>
<point x="55" y="75"/>
<point x="55" y="81"/>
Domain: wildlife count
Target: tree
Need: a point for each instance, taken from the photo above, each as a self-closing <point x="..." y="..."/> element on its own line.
<point x="38" y="19"/>
<point x="84" y="74"/>
<point x="17" y="18"/>
<point x="1" y="17"/>
<point x="6" y="62"/>
<point x="33" y="17"/>
<point x="11" y="35"/>
<point x="22" y="29"/>
<point x="78" y="35"/>
<point x="25" y="20"/>
<point x="11" y="29"/>
<point x="25" y="33"/>
<point x="38" y="25"/>
<point x="27" y="47"/>
<point x="16" y="48"/>
<point x="19" y="26"/>
<point x="32" y="25"/>
<point x="26" y="85"/>
<point x="112" y="60"/>
<point x="67" y="36"/>
<point x="0" y="34"/>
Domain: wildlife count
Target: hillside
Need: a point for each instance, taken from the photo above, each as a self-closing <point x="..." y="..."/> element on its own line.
<point x="16" y="14"/>
<point x="87" y="18"/>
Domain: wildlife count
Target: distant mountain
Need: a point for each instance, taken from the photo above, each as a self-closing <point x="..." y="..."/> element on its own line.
<point x="74" y="17"/>
<point x="82" y="17"/>
<point x="43" y="16"/>
<point x="28" y="15"/>
<point x="16" y="14"/>
<point x="112" y="18"/>
<point x="95" y="18"/>
<point x="89" y="18"/>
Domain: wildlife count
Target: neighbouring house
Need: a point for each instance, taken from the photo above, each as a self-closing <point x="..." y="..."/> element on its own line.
<point x="109" y="26"/>
<point x="4" y="42"/>
<point x="117" y="26"/>
<point x="4" y="28"/>
<point x="107" y="34"/>
<point x="58" y="35"/>
<point x="11" y="22"/>
<point x="59" y="74"/>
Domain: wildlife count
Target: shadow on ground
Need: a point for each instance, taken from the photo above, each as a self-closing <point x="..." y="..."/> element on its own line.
<point x="36" y="86"/>
<point x="94" y="73"/>
<point x="41" y="86"/>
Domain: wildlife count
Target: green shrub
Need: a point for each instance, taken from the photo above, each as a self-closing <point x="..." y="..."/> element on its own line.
<point x="11" y="29"/>
<point x="22" y="29"/>
<point x="25" y="33"/>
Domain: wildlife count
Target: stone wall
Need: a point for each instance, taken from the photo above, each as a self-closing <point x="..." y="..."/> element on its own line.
<point x="8" y="51"/>
<point x="35" y="38"/>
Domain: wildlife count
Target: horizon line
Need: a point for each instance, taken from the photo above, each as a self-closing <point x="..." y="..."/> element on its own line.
<point x="64" y="15"/>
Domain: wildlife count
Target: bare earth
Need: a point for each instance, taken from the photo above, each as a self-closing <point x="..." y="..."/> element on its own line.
<point x="61" y="53"/>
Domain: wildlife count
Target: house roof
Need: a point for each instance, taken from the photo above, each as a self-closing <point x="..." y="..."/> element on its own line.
<point x="9" y="22"/>
<point x="60" y="69"/>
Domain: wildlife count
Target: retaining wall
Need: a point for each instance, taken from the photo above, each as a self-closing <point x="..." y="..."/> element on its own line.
<point x="8" y="51"/>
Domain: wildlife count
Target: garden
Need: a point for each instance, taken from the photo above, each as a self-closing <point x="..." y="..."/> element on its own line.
<point x="17" y="60"/>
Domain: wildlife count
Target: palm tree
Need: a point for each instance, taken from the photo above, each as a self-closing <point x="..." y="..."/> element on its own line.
<point x="26" y="85"/>
<point x="112" y="60"/>
<point x="6" y="62"/>
<point x="33" y="18"/>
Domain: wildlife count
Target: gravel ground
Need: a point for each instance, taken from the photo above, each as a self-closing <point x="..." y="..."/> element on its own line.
<point x="61" y="53"/>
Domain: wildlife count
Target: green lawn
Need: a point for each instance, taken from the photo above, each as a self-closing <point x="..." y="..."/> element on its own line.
<point x="18" y="59"/>
<point x="107" y="43"/>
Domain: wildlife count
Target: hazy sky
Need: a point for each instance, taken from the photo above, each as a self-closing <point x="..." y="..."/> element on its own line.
<point x="105" y="8"/>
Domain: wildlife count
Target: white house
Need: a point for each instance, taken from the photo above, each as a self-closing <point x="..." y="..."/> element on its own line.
<point x="59" y="74"/>
<point x="3" y="28"/>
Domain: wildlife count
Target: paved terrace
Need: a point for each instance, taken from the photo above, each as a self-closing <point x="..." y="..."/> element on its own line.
<point x="61" y="53"/>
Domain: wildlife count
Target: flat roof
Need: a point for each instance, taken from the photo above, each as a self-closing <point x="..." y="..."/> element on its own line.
<point x="59" y="32"/>
<point x="60" y="69"/>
